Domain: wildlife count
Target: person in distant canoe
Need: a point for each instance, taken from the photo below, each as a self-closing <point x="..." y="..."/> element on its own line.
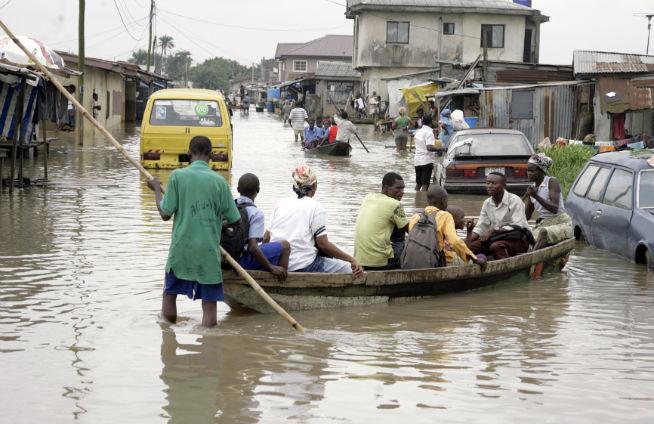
<point x="545" y="197"/>
<point x="312" y="135"/>
<point x="332" y="132"/>
<point x="379" y="215"/>
<point x="199" y="200"/>
<point x="346" y="129"/>
<point x="302" y="221"/>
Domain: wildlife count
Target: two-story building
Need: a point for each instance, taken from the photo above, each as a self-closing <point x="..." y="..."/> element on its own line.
<point x="300" y="60"/>
<point x="400" y="37"/>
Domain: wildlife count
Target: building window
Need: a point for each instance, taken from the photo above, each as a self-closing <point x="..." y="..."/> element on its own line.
<point x="299" y="66"/>
<point x="492" y="36"/>
<point x="522" y="104"/>
<point x="397" y="32"/>
<point x="448" y="27"/>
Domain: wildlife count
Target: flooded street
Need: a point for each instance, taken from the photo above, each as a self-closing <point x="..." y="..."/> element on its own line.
<point x="81" y="275"/>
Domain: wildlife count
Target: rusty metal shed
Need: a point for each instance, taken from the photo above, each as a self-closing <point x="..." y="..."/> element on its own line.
<point x="618" y="95"/>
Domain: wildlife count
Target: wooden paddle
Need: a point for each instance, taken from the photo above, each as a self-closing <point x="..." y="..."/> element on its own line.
<point x="248" y="278"/>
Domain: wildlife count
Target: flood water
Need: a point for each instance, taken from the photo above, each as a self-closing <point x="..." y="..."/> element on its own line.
<point x="81" y="274"/>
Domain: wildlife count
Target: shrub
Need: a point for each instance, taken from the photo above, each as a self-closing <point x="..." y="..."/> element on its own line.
<point x="568" y="162"/>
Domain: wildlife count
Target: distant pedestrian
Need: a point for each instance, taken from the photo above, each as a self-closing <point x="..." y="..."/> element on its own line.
<point x="96" y="105"/>
<point x="425" y="154"/>
<point x="298" y="117"/>
<point x="401" y="127"/>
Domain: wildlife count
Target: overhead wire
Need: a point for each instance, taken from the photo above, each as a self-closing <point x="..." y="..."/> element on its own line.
<point x="5" y="4"/>
<point x="124" y="25"/>
<point x="106" y="31"/>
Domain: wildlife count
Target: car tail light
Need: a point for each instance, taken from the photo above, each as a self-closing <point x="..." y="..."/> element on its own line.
<point x="151" y="156"/>
<point x="451" y="172"/>
<point x="520" y="172"/>
<point x="219" y="157"/>
<point x="469" y="173"/>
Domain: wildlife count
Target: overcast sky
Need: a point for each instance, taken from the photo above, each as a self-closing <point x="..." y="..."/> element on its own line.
<point x="247" y="30"/>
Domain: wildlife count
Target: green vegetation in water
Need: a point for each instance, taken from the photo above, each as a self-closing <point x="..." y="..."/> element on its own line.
<point x="568" y="162"/>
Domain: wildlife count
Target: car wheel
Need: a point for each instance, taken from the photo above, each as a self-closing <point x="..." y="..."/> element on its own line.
<point x="579" y="235"/>
<point x="648" y="259"/>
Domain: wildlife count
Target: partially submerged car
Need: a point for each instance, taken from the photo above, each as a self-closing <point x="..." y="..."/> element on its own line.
<point x="612" y="204"/>
<point x="473" y="154"/>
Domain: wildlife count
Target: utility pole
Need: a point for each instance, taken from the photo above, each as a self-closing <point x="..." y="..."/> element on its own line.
<point x="80" y="67"/>
<point x="150" y="38"/>
<point x="649" y="29"/>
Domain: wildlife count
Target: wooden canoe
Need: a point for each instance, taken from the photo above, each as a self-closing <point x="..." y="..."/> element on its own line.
<point x="335" y="149"/>
<point x="302" y="291"/>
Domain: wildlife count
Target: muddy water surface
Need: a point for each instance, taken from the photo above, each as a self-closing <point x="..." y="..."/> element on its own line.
<point x="81" y="270"/>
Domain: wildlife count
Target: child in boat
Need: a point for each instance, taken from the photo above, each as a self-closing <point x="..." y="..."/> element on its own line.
<point x="460" y="223"/>
<point x="271" y="257"/>
<point x="200" y="200"/>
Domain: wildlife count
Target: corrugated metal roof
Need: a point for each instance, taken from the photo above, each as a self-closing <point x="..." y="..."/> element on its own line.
<point x="451" y="6"/>
<point x="339" y="70"/>
<point x="591" y="63"/>
<point x="618" y="95"/>
<point x="327" y="46"/>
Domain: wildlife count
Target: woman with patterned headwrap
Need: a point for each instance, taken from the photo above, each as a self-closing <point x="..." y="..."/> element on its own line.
<point x="302" y="221"/>
<point x="545" y="197"/>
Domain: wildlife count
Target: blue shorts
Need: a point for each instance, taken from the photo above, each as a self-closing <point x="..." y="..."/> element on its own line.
<point x="272" y="252"/>
<point x="193" y="289"/>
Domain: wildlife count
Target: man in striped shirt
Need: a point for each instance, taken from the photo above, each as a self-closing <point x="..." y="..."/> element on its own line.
<point x="298" y="117"/>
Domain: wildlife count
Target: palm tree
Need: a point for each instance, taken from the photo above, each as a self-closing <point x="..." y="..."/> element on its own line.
<point x="166" y="43"/>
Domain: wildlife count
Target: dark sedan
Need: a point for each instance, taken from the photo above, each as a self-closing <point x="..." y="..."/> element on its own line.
<point x="473" y="154"/>
<point x="612" y="205"/>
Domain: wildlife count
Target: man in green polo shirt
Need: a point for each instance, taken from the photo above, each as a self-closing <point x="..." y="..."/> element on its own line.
<point x="379" y="216"/>
<point x="200" y="200"/>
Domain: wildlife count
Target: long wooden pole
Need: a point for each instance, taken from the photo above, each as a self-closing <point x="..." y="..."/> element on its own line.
<point x="81" y="61"/>
<point x="243" y="273"/>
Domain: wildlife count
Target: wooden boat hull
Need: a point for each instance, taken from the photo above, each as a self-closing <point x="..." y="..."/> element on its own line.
<point x="335" y="149"/>
<point x="303" y="291"/>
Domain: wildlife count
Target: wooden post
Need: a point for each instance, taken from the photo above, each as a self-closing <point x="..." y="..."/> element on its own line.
<point x="150" y="37"/>
<point x="45" y="152"/>
<point x="79" y="121"/>
<point x="20" y="127"/>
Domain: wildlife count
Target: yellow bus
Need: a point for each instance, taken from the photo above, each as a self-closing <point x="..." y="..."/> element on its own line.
<point x="173" y="116"/>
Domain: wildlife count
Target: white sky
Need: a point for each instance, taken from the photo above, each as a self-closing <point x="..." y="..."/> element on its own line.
<point x="247" y="30"/>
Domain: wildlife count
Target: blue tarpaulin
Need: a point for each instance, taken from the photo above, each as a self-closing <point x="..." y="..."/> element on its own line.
<point x="273" y="93"/>
<point x="9" y="108"/>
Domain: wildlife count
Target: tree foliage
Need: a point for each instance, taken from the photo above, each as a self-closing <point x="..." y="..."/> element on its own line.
<point x="215" y="73"/>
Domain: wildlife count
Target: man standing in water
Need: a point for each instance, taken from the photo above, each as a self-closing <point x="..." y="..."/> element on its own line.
<point x="200" y="200"/>
<point x="298" y="117"/>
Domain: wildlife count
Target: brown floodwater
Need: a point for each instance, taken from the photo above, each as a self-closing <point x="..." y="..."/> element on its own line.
<point x="81" y="274"/>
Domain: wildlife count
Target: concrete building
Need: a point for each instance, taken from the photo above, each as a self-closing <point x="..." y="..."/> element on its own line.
<point x="402" y="37"/>
<point x="623" y="95"/>
<point x="300" y="60"/>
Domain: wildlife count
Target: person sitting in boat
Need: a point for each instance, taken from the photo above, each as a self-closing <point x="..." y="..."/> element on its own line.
<point x="312" y="135"/>
<point x="545" y="197"/>
<point x="379" y="215"/>
<point x="346" y="129"/>
<point x="460" y="222"/>
<point x="458" y="252"/>
<point x="302" y="221"/>
<point x="332" y="132"/>
<point x="502" y="229"/>
<point x="271" y="257"/>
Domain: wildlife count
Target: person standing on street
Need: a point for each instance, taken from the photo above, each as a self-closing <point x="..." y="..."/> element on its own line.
<point x="298" y="117"/>
<point x="426" y="149"/>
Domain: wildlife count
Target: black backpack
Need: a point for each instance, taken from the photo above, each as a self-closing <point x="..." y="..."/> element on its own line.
<point x="234" y="240"/>
<point x="422" y="249"/>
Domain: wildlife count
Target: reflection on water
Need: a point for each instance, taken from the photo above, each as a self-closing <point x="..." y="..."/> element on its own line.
<point x="81" y="269"/>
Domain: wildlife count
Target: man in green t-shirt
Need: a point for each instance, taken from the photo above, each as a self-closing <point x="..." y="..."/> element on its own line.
<point x="380" y="214"/>
<point x="401" y="127"/>
<point x="200" y="200"/>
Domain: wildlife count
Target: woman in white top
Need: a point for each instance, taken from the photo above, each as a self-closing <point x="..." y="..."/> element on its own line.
<point x="545" y="197"/>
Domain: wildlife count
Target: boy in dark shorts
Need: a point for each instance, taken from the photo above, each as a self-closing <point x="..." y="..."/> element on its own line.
<point x="271" y="257"/>
<point x="200" y="200"/>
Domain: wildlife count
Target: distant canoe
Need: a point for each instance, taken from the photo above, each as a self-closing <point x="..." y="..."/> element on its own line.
<point x="303" y="290"/>
<point x="335" y="149"/>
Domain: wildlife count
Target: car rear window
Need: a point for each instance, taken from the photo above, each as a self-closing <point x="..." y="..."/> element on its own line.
<point x="598" y="184"/>
<point x="186" y="113"/>
<point x="646" y="190"/>
<point x="584" y="181"/>
<point x="491" y="145"/>
<point x="619" y="192"/>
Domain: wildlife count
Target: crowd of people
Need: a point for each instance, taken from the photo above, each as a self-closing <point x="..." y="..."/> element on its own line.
<point x="297" y="238"/>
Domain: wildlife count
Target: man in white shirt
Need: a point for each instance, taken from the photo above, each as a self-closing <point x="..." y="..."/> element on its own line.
<point x="298" y="117"/>
<point x="502" y="229"/>
<point x="302" y="221"/>
<point x="346" y="129"/>
<point x="426" y="149"/>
